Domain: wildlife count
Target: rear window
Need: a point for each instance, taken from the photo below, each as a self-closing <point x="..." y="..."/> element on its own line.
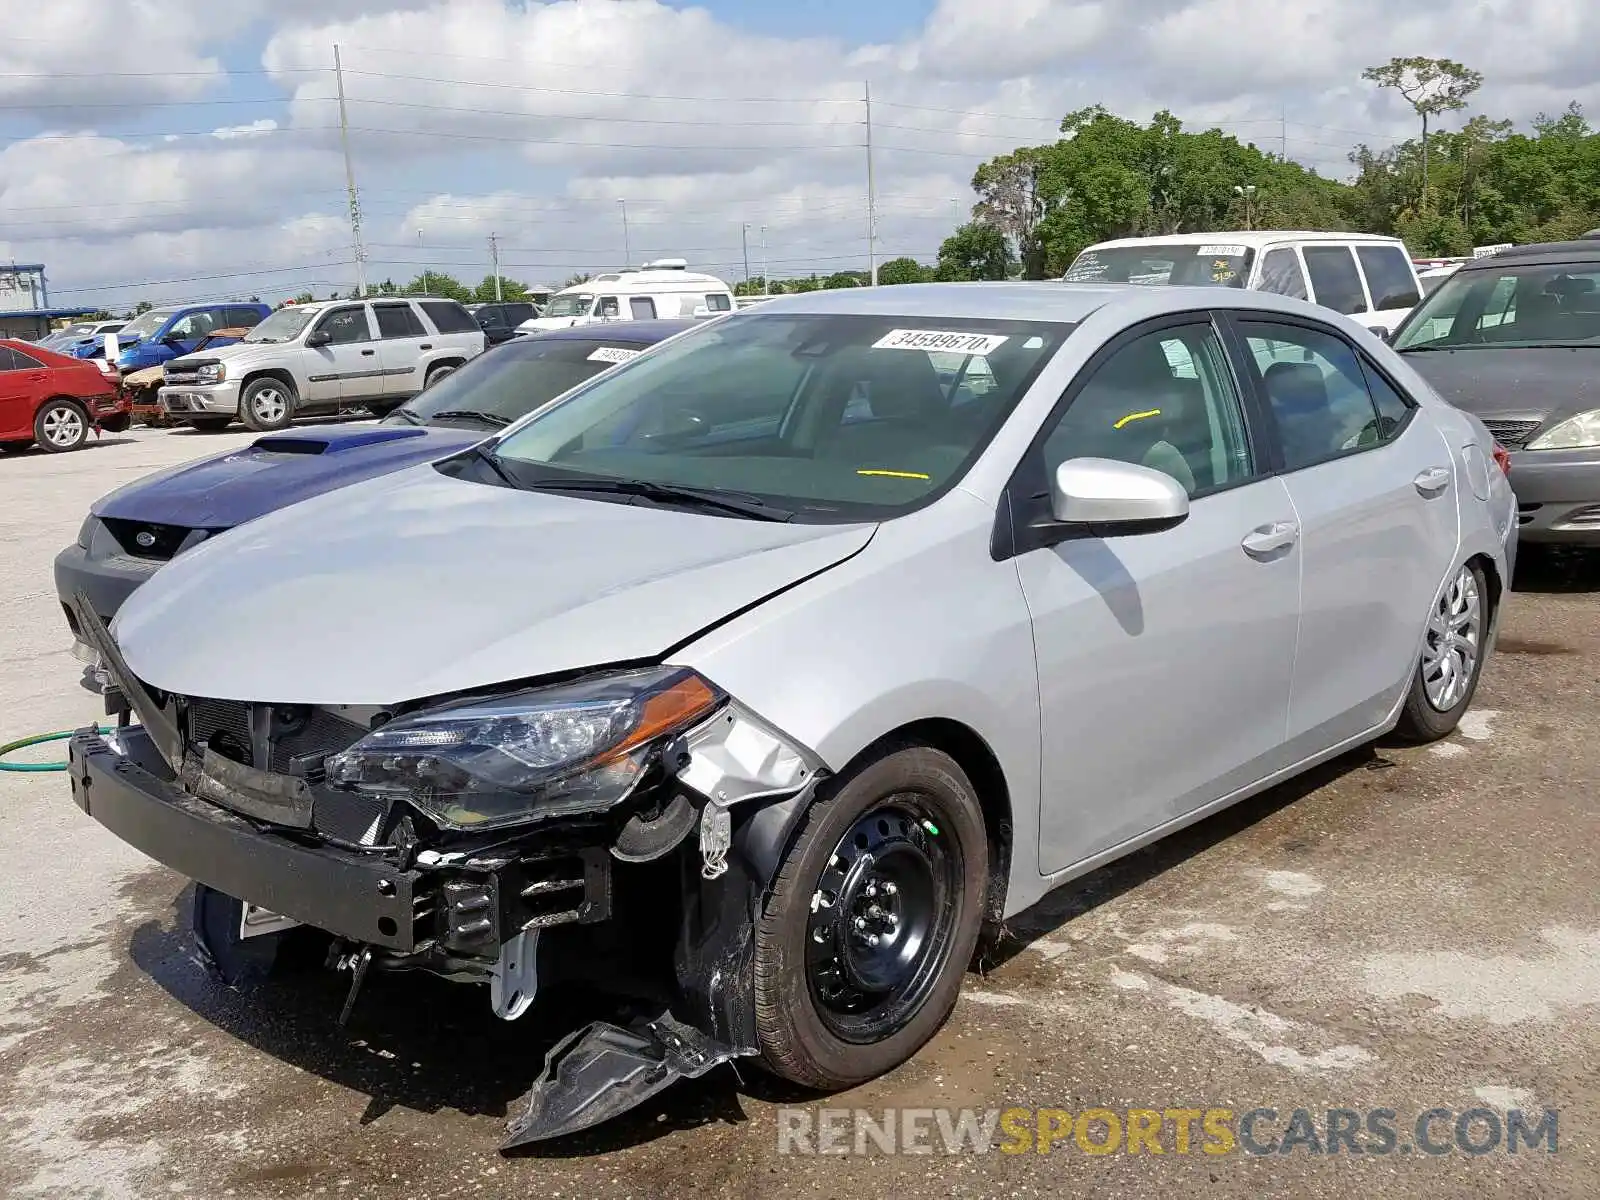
<point x="242" y="318"/>
<point x="719" y="302"/>
<point x="1388" y="273"/>
<point x="1213" y="264"/>
<point x="1334" y="278"/>
<point x="449" y="317"/>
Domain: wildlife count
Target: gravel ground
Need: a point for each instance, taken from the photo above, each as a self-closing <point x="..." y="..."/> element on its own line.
<point x="1405" y="929"/>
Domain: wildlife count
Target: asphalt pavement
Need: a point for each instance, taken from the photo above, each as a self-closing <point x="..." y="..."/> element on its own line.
<point x="1407" y="931"/>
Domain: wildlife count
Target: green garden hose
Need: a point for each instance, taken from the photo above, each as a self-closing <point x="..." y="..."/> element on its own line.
<point x="35" y="740"/>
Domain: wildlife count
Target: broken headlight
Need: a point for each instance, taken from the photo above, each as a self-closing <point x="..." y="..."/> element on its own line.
<point x="571" y="748"/>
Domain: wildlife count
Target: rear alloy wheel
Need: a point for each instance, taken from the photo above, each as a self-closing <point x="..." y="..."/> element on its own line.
<point x="1452" y="658"/>
<point x="266" y="404"/>
<point x="873" y="918"/>
<point x="61" y="425"/>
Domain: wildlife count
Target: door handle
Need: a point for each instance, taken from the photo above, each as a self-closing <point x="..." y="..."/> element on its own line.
<point x="368" y="353"/>
<point x="426" y="346"/>
<point x="1433" y="481"/>
<point x="1266" y="540"/>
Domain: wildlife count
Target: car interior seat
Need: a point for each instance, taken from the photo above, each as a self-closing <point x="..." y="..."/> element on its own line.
<point x="1298" y="393"/>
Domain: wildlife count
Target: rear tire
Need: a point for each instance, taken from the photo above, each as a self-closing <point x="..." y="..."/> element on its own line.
<point x="209" y="424"/>
<point x="266" y="405"/>
<point x="382" y="408"/>
<point x="60" y="425"/>
<point x="1446" y="677"/>
<point x="896" y="862"/>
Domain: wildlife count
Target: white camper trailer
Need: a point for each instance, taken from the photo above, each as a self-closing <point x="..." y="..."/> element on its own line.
<point x="662" y="289"/>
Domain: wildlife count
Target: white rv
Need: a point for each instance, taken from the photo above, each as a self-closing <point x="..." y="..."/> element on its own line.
<point x="662" y="289"/>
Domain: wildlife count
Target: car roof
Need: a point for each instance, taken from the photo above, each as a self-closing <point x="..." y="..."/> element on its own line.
<point x="1584" y="250"/>
<point x="1254" y="239"/>
<point x="622" y="331"/>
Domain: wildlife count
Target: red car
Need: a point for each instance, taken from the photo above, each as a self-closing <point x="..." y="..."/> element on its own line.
<point x="53" y="400"/>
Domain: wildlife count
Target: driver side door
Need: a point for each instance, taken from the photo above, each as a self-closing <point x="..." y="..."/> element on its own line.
<point x="1165" y="659"/>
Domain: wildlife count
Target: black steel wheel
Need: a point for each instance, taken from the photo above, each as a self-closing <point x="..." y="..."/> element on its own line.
<point x="873" y="917"/>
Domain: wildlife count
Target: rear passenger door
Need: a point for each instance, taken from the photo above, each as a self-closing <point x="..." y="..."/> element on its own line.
<point x="401" y="337"/>
<point x="1372" y="482"/>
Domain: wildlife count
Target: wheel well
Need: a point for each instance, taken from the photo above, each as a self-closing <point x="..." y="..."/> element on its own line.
<point x="1491" y="575"/>
<point x="972" y="753"/>
<point x="443" y="362"/>
<point x="72" y="400"/>
<point x="281" y="376"/>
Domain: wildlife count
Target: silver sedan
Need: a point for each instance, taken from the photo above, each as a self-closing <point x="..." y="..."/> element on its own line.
<point x="763" y="671"/>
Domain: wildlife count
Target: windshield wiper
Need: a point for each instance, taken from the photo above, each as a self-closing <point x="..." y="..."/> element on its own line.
<point x="739" y="503"/>
<point x="471" y="414"/>
<point x="406" y="415"/>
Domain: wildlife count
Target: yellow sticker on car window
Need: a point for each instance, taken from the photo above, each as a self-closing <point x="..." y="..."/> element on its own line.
<point x="897" y="474"/>
<point x="1138" y="416"/>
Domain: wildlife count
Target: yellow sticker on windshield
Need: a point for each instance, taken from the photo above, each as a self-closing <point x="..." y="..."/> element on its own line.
<point x="897" y="474"/>
<point x="1138" y="416"/>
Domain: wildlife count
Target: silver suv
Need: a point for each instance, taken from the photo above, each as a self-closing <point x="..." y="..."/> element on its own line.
<point x="320" y="358"/>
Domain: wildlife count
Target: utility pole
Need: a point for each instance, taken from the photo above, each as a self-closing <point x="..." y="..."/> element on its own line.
<point x="627" y="252"/>
<point x="1283" y="132"/>
<point x="350" y="181"/>
<point x="494" y="257"/>
<point x="872" y="195"/>
<point x="425" y="280"/>
<point x="1247" y="193"/>
<point x="766" y="282"/>
<point x="744" y="242"/>
<point x="955" y="209"/>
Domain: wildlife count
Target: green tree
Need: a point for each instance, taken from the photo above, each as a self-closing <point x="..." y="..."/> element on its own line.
<point x="575" y="280"/>
<point x="142" y="307"/>
<point x="975" y="251"/>
<point x="437" y="283"/>
<point x="903" y="270"/>
<point x="842" y="279"/>
<point x="1432" y="86"/>
<point x="510" y="289"/>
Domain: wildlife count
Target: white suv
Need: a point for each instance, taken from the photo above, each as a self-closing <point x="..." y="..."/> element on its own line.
<point x="1367" y="277"/>
<point x="322" y="357"/>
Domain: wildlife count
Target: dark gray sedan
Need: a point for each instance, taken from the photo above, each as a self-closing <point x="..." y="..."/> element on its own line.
<point x="1514" y="338"/>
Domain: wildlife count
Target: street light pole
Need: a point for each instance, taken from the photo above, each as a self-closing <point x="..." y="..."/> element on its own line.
<point x="425" y="279"/>
<point x="766" y="282"/>
<point x="627" y="251"/>
<point x="744" y="242"/>
<point x="1247" y="193"/>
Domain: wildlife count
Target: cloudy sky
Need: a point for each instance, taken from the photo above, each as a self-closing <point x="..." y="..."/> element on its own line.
<point x="190" y="149"/>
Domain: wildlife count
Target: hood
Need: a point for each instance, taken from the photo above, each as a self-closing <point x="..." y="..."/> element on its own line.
<point x="1513" y="383"/>
<point x="277" y="470"/>
<point x="230" y="352"/>
<point x="417" y="584"/>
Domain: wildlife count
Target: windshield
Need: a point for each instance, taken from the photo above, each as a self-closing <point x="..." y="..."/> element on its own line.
<point x="1535" y="305"/>
<point x="512" y="380"/>
<point x="569" y="306"/>
<point x="144" y="325"/>
<point x="1213" y="264"/>
<point x="69" y="332"/>
<point x="837" y="418"/>
<point x="282" y="326"/>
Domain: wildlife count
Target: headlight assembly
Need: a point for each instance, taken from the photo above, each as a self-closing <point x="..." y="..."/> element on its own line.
<point x="551" y="751"/>
<point x="211" y="373"/>
<point x="1581" y="432"/>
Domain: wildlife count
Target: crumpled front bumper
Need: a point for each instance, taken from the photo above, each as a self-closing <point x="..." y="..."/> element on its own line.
<point x="357" y="896"/>
<point x="214" y="399"/>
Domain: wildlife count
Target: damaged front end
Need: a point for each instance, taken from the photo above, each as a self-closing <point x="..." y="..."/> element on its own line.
<point x="618" y="829"/>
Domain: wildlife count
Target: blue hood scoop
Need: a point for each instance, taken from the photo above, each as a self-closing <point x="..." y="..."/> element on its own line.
<point x="331" y="441"/>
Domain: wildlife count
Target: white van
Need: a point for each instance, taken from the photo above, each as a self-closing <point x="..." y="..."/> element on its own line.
<point x="659" y="290"/>
<point x="1367" y="277"/>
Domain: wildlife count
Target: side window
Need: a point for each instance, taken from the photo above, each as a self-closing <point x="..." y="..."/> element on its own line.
<point x="1389" y="279"/>
<point x="1394" y="409"/>
<point x="21" y="361"/>
<point x="346" y="325"/>
<point x="1165" y="400"/>
<point x="8" y="359"/>
<point x="608" y="307"/>
<point x="1334" y="278"/>
<point x="449" y="317"/>
<point x="516" y="314"/>
<point x="193" y="325"/>
<point x="719" y="302"/>
<point x="1281" y="273"/>
<point x="243" y="318"/>
<point x="398" y="321"/>
<point x="1316" y="389"/>
<point x="642" y="308"/>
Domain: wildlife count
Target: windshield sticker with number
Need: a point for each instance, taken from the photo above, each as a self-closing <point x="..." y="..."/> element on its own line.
<point x="1221" y="252"/>
<point x="614" y="354"/>
<point x="939" y="339"/>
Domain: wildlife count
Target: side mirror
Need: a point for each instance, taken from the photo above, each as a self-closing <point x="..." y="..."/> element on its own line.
<point x="173" y="339"/>
<point x="1101" y="497"/>
<point x="318" y="337"/>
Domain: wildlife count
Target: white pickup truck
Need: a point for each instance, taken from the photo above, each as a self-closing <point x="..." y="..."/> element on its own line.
<point x="320" y="358"/>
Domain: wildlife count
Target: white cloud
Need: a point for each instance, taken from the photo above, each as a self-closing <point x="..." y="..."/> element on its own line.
<point x="530" y="121"/>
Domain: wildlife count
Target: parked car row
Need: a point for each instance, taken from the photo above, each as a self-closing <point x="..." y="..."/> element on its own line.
<point x="761" y="669"/>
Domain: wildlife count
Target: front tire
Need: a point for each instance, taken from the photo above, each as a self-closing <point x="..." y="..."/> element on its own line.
<point x="437" y="374"/>
<point x="266" y="405"/>
<point x="873" y="918"/>
<point x="1453" y="651"/>
<point x="60" y="425"/>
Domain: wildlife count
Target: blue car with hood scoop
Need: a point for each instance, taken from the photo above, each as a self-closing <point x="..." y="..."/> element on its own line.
<point x="132" y="531"/>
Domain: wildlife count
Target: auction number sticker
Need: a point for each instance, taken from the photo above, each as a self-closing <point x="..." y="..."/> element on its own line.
<point x="613" y="354"/>
<point x="939" y="339"/>
<point x="1220" y="252"/>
